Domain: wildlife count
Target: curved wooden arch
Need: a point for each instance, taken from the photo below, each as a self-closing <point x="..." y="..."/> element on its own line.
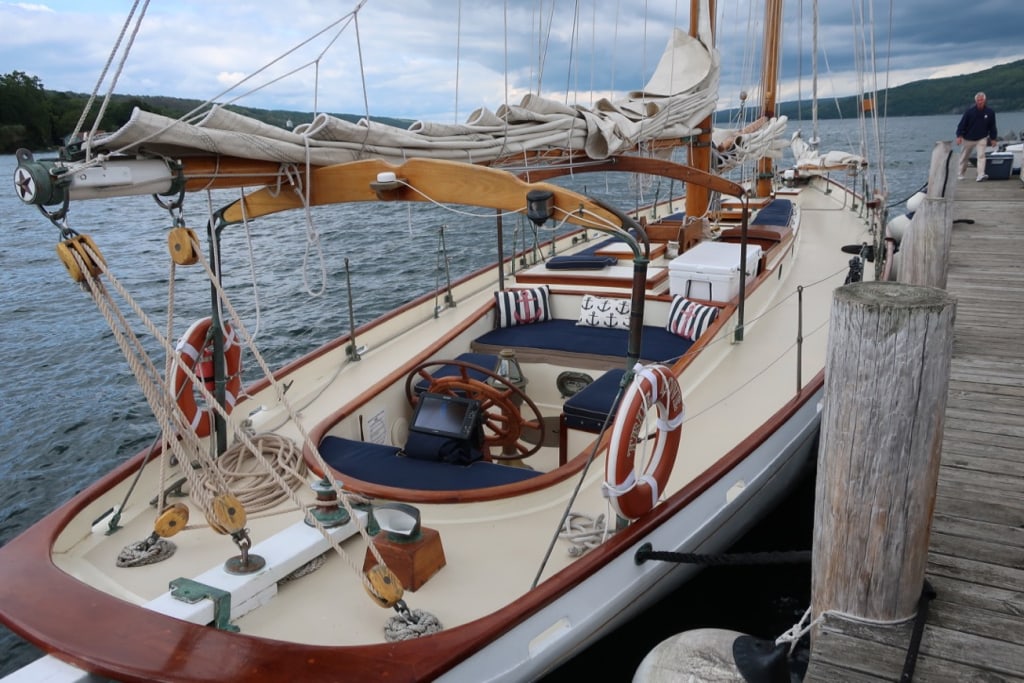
<point x="421" y="180"/>
<point x="648" y="165"/>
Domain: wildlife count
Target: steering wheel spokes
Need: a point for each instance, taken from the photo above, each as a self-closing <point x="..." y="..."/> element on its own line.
<point x="500" y="403"/>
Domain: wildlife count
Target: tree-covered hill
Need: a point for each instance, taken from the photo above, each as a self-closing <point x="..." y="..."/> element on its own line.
<point x="36" y="118"/>
<point x="1003" y="84"/>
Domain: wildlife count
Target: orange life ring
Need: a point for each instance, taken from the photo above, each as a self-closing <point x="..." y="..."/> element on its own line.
<point x="195" y="349"/>
<point x="633" y="494"/>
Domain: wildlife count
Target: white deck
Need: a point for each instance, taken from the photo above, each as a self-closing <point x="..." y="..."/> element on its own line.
<point x="729" y="392"/>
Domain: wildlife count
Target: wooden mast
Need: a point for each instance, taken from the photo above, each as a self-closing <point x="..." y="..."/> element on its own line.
<point x="699" y="150"/>
<point x="769" y="82"/>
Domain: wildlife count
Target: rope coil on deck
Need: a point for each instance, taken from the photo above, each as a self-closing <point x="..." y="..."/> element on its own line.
<point x="584" y="532"/>
<point x="240" y="468"/>
<point x="414" y="624"/>
<point x="143" y="552"/>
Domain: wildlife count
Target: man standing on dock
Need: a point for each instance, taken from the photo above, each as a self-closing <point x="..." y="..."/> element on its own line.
<point x="977" y="126"/>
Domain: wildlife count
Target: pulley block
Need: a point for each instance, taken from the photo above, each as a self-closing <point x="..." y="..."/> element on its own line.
<point x="227" y="515"/>
<point x="173" y="519"/>
<point x="85" y="249"/>
<point x="181" y="242"/>
<point x="383" y="586"/>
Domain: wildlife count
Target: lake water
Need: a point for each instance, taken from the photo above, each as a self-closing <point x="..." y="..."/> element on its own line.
<point x="69" y="408"/>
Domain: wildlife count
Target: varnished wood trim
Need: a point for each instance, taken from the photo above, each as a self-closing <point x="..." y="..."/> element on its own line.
<point x="648" y="165"/>
<point x="113" y="638"/>
<point x="422" y="180"/>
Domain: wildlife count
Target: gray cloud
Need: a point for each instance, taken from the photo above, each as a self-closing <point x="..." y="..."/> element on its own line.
<point x="416" y="62"/>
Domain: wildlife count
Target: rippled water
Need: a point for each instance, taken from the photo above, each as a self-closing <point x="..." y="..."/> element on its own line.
<point x="69" y="408"/>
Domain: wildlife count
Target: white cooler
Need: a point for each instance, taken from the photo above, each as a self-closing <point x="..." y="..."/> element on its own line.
<point x="711" y="270"/>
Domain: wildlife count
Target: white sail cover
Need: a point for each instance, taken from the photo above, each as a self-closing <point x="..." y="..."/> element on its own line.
<point x="762" y="138"/>
<point x="682" y="92"/>
<point x="810" y="160"/>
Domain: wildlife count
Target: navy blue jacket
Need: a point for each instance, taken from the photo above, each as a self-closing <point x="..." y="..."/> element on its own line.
<point x="976" y="124"/>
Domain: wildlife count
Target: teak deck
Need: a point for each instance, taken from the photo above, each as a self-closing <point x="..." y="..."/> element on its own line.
<point x="975" y="626"/>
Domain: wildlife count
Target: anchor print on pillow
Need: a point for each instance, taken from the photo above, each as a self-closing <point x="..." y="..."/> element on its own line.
<point x="596" y="311"/>
<point x="523" y="306"/>
<point x="689" y="319"/>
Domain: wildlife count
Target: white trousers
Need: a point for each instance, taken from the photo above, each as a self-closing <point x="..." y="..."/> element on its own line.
<point x="965" y="154"/>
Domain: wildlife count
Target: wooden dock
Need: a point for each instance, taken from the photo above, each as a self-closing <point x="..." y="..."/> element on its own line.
<point x="975" y="626"/>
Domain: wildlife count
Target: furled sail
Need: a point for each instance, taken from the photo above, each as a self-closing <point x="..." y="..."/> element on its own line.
<point x="761" y="138"/>
<point x="682" y="92"/>
<point x="809" y="160"/>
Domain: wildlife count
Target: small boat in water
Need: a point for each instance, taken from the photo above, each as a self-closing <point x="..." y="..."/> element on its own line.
<point x="458" y="489"/>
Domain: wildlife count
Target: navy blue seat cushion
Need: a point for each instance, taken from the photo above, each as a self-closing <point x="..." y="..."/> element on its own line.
<point x="776" y="212"/>
<point x="656" y="344"/>
<point x="589" y="408"/>
<point x="580" y="262"/>
<point x="484" y="360"/>
<point x="380" y="464"/>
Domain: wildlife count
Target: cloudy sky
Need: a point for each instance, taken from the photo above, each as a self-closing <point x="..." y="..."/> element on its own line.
<point x="440" y="59"/>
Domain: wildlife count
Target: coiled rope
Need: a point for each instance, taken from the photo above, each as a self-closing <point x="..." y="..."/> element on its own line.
<point x="584" y="532"/>
<point x="406" y="627"/>
<point x="247" y="472"/>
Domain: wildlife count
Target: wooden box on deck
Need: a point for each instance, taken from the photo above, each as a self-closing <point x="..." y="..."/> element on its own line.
<point x="412" y="562"/>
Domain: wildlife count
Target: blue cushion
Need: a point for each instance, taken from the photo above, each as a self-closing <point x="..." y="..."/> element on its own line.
<point x="590" y="407"/>
<point x="380" y="464"/>
<point x="656" y="344"/>
<point x="580" y="262"/>
<point x="776" y="212"/>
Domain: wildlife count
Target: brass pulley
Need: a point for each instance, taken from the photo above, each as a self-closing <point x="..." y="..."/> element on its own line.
<point x="181" y="243"/>
<point x="85" y="249"/>
<point x="173" y="519"/>
<point x="226" y="515"/>
<point x="383" y="586"/>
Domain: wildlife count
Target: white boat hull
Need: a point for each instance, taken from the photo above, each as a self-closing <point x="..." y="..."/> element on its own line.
<point x="624" y="589"/>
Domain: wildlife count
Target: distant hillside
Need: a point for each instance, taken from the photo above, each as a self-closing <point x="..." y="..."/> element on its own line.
<point x="1003" y="84"/>
<point x="36" y="118"/>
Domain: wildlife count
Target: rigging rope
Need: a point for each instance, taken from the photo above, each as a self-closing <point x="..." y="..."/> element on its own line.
<point x="172" y="422"/>
<point x="245" y="337"/>
<point x="103" y="75"/>
<point x="218" y="100"/>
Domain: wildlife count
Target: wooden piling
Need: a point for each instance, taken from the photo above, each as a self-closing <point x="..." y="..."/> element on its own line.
<point x="924" y="251"/>
<point x="886" y="379"/>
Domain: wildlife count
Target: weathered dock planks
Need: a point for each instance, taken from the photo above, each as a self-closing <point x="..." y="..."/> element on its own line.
<point x="975" y="626"/>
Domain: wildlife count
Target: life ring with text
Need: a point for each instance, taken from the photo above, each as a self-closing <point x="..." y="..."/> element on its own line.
<point x="195" y="350"/>
<point x="632" y="493"/>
